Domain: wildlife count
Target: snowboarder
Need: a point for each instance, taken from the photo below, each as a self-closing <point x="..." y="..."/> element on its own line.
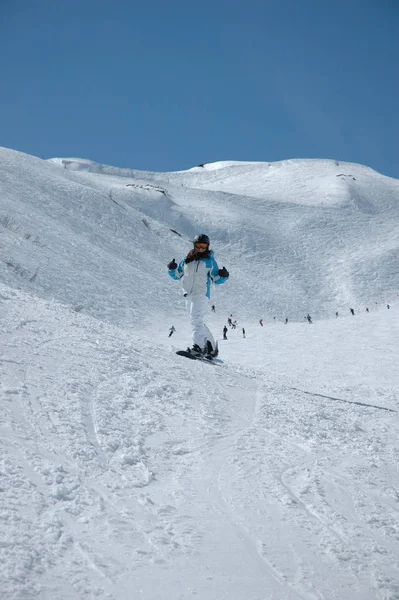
<point x="172" y="330"/>
<point x="225" y="332"/>
<point x="197" y="271"/>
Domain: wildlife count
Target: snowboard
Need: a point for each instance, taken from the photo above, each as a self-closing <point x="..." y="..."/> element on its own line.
<point x="212" y="361"/>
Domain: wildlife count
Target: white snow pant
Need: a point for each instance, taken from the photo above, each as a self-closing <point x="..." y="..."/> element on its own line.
<point x="196" y="308"/>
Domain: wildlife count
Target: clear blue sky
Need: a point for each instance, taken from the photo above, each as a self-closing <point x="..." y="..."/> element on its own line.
<point x="166" y="84"/>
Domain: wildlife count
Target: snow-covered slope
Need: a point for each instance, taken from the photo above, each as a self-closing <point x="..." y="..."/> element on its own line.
<point x="128" y="472"/>
<point x="298" y="235"/>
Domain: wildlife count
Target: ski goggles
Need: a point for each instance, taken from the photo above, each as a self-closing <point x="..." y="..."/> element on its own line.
<point x="201" y="246"/>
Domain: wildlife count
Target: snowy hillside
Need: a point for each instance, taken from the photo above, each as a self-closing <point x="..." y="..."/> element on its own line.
<point x="128" y="472"/>
<point x="299" y="235"/>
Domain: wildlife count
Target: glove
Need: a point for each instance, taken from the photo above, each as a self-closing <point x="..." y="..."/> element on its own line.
<point x="223" y="272"/>
<point x="172" y="265"/>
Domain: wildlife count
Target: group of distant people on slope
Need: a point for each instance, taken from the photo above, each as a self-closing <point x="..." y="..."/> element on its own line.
<point x="233" y="325"/>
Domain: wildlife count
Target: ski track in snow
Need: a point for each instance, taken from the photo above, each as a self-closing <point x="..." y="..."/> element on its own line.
<point x="109" y="472"/>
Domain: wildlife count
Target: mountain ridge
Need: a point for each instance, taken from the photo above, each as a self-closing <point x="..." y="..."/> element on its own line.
<point x="297" y="236"/>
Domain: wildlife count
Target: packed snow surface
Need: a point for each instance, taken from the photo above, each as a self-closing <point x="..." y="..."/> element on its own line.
<point x="129" y="472"/>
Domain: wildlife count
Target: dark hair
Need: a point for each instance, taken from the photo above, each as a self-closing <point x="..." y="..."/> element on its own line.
<point x="194" y="255"/>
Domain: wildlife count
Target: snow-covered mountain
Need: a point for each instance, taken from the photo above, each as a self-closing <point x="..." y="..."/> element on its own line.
<point x="128" y="472"/>
<point x="298" y="235"/>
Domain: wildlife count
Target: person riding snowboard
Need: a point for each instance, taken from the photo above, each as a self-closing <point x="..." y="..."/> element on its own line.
<point x="197" y="271"/>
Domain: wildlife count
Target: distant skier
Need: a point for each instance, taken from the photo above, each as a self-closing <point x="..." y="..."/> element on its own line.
<point x="261" y="321"/>
<point x="286" y="320"/>
<point x="336" y="315"/>
<point x="309" y="318"/>
<point x="388" y="306"/>
<point x="225" y="332"/>
<point x="243" y="333"/>
<point x="367" y="310"/>
<point x="229" y="322"/>
<point x="352" y="311"/>
<point x="171" y="331"/>
<point x="197" y="271"/>
<point x="213" y="308"/>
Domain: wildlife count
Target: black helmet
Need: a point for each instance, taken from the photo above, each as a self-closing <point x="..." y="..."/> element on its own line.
<point x="201" y="238"/>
